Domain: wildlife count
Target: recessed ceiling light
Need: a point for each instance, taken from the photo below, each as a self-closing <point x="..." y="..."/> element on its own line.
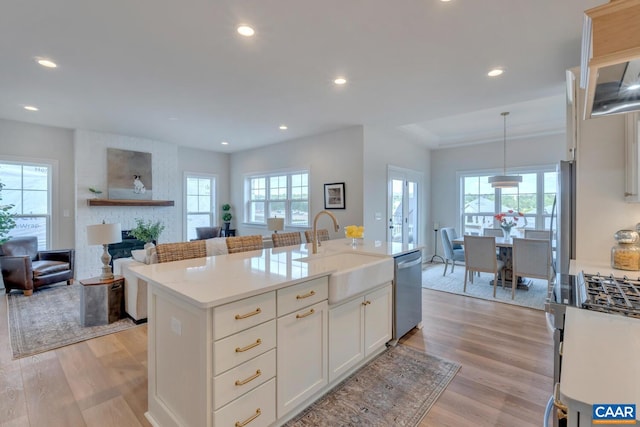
<point x="340" y="81"/>
<point x="634" y="86"/>
<point x="224" y="143"/>
<point x="31" y="108"/>
<point x="245" y="30"/>
<point x="444" y="1"/>
<point x="495" y="72"/>
<point x="283" y="127"/>
<point x="47" y="63"/>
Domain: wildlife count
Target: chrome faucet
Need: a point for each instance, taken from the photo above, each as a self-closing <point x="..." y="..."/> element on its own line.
<point x="314" y="239"/>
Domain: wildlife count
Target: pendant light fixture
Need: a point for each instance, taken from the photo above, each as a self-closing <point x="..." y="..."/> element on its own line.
<point x="504" y="180"/>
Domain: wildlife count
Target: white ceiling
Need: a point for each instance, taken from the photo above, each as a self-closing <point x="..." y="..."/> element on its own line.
<point x="419" y="66"/>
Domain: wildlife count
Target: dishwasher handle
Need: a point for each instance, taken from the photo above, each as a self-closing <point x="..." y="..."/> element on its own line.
<point x="408" y="264"/>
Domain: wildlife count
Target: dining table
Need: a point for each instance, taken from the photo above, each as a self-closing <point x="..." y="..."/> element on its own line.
<point x="505" y="254"/>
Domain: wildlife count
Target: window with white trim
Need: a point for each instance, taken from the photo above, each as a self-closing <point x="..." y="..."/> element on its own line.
<point x="27" y="186"/>
<point x="282" y="195"/>
<point x="200" y="203"/>
<point x="533" y="198"/>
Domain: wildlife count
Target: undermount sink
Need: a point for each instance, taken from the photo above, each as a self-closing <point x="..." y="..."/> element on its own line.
<point x="354" y="273"/>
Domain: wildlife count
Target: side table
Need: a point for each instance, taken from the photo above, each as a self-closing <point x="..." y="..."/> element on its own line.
<point x="232" y="232"/>
<point x="101" y="301"/>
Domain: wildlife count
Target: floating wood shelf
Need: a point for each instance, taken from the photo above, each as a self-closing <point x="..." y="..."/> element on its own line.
<point x="125" y="202"/>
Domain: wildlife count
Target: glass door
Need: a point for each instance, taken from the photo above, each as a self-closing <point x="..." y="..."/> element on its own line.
<point x="403" y="206"/>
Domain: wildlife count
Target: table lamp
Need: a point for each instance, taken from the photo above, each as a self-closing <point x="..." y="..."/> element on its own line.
<point x="103" y="234"/>
<point x="275" y="224"/>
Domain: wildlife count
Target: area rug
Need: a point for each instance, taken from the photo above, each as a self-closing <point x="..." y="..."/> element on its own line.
<point x="397" y="388"/>
<point x="49" y="319"/>
<point x="482" y="288"/>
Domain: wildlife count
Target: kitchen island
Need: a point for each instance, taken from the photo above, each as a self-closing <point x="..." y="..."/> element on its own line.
<point x="255" y="337"/>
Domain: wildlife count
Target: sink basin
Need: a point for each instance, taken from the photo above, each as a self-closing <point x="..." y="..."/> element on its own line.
<point x="354" y="273"/>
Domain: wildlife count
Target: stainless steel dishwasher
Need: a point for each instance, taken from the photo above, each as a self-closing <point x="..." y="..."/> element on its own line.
<point x="407" y="293"/>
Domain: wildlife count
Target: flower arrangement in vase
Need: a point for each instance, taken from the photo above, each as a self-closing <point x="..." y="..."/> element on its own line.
<point x="148" y="231"/>
<point x="354" y="232"/>
<point x="507" y="221"/>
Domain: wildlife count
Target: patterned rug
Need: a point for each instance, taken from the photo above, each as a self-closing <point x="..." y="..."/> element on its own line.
<point x="49" y="319"/>
<point x="396" y="388"/>
<point x="481" y="287"/>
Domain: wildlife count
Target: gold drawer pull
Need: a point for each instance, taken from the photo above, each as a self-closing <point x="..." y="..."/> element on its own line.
<point x="310" y="294"/>
<point x="249" y="347"/>
<point x="561" y="348"/>
<point x="366" y="303"/>
<point x="308" y="313"/>
<point x="252" y="313"/>
<point x="248" y="420"/>
<point x="251" y="378"/>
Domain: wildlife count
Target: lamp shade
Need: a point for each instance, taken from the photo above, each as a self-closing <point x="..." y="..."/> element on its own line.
<point x="275" y="224"/>
<point x="103" y="234"/>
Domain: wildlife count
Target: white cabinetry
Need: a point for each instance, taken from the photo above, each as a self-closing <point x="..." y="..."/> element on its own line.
<point x="302" y="327"/>
<point x="358" y="328"/>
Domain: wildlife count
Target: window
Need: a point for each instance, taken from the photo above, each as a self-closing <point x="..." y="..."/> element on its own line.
<point x="533" y="197"/>
<point x="282" y="195"/>
<point x="200" y="202"/>
<point x="27" y="186"/>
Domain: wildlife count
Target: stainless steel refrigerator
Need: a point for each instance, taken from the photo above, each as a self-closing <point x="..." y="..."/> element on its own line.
<point x="563" y="217"/>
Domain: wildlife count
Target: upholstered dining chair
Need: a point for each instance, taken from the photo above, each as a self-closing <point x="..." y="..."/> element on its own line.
<point x="531" y="258"/>
<point x="323" y="235"/>
<point x="452" y="252"/>
<point x="537" y="234"/>
<point x="286" y="239"/>
<point x="244" y="243"/>
<point x="168" y="252"/>
<point x="480" y="256"/>
<point x="495" y="232"/>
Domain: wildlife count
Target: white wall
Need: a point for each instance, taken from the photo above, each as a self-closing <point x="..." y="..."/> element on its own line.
<point x="330" y="157"/>
<point x="91" y="171"/>
<point x="601" y="209"/>
<point x="381" y="150"/>
<point x="446" y="163"/>
<point x="25" y="141"/>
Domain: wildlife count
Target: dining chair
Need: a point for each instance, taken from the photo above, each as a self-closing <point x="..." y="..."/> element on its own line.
<point x="480" y="257"/>
<point x="452" y="252"/>
<point x="323" y="235"/>
<point x="495" y="232"/>
<point x="244" y="243"/>
<point x="537" y="234"/>
<point x="531" y="258"/>
<point x="286" y="239"/>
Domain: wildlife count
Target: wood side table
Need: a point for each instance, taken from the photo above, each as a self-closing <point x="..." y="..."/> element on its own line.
<point x="101" y="301"/>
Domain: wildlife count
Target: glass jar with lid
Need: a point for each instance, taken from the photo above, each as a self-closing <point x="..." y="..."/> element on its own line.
<point x="626" y="254"/>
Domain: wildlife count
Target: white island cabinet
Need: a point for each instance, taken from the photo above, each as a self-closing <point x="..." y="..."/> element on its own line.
<point x="249" y="339"/>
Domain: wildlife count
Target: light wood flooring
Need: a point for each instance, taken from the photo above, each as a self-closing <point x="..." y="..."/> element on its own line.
<point x="505" y="380"/>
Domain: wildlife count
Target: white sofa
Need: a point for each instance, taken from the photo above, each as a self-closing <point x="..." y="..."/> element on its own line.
<point x="135" y="289"/>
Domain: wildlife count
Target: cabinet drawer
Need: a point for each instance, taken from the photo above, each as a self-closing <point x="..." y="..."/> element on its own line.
<point x="244" y="378"/>
<point x="255" y="409"/>
<point x="236" y="349"/>
<point x="240" y="315"/>
<point x="302" y="295"/>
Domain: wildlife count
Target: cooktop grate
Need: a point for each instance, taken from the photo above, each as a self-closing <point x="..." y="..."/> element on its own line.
<point x="612" y="294"/>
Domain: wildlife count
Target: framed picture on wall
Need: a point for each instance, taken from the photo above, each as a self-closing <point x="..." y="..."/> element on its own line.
<point x="334" y="197"/>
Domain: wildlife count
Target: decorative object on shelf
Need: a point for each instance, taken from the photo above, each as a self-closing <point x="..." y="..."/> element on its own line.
<point x="275" y="224"/>
<point x="103" y="234"/>
<point x="129" y="175"/>
<point x="507" y="221"/>
<point x="504" y="180"/>
<point x="334" y="196"/>
<point x="354" y="232"/>
<point x="226" y="217"/>
<point x="148" y="231"/>
<point x="7" y="223"/>
<point x="95" y="192"/>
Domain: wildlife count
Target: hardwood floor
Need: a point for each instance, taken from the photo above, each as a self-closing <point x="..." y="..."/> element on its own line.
<point x="505" y="380"/>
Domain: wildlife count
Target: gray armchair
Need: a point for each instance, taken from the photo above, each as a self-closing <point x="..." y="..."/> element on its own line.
<point x="452" y="252"/>
<point x="25" y="267"/>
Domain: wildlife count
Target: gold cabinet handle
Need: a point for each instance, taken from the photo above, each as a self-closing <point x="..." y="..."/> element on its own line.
<point x="248" y="420"/>
<point x="251" y="378"/>
<point x="249" y="347"/>
<point x="561" y="348"/>
<point x="308" y="313"/>
<point x="366" y="303"/>
<point x="252" y="313"/>
<point x="561" y="407"/>
<point x="307" y="295"/>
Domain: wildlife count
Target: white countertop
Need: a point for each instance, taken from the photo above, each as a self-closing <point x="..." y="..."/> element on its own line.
<point x="601" y="358"/>
<point x="215" y="280"/>
<point x="605" y="269"/>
